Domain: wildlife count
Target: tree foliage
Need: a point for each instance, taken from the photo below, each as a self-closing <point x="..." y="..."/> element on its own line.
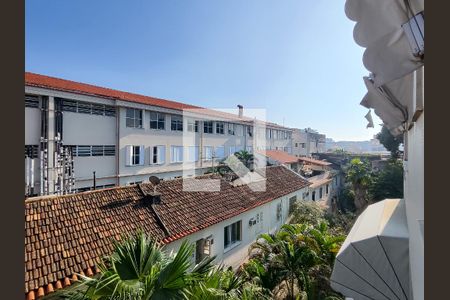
<point x="390" y="142"/>
<point x="359" y="175"/>
<point x="388" y="183"/>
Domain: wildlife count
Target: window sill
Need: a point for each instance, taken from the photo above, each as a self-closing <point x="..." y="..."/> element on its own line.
<point x="231" y="247"/>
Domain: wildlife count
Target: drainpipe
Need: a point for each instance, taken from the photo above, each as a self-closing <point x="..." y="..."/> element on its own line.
<point x="51" y="144"/>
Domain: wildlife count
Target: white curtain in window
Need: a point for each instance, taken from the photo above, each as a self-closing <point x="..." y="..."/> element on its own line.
<point x="129" y="155"/>
<point x="176" y="154"/>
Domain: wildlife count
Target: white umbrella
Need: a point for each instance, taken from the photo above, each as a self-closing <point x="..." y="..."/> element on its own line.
<point x="373" y="262"/>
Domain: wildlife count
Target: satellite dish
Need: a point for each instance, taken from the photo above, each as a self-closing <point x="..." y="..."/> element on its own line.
<point x="154" y="180"/>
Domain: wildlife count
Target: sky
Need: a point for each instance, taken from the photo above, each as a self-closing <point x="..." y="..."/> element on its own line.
<point x="294" y="58"/>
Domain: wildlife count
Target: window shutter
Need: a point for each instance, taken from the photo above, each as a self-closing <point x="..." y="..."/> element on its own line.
<point x="128" y="155"/>
<point x="141" y="155"/>
<point x="161" y="154"/>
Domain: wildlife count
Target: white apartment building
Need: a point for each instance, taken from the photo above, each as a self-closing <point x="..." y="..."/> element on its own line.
<point x="78" y="136"/>
<point x="306" y="142"/>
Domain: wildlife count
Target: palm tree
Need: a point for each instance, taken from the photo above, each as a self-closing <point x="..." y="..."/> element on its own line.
<point x="139" y="269"/>
<point x="359" y="175"/>
<point x="246" y="158"/>
<point x="298" y="256"/>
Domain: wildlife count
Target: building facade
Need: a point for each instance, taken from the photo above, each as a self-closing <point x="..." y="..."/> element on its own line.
<point x="80" y="136"/>
<point x="306" y="142"/>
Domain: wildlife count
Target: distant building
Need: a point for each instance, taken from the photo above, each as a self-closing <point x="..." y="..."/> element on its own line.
<point x="306" y="142"/>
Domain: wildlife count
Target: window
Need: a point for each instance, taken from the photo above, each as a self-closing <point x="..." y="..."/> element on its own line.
<point x="157" y="121"/>
<point x="192" y="125"/>
<point x="193" y="153"/>
<point x="134" y="155"/>
<point x="133" y="118"/>
<point x="98" y="109"/>
<point x="176" y="123"/>
<point x="250" y="131"/>
<point x="292" y="201"/>
<point x="303" y="145"/>
<point x="326" y="189"/>
<point x="109" y="150"/>
<point x="231" y="129"/>
<point x="31" y="101"/>
<point x="157" y="155"/>
<point x="69" y="105"/>
<point x="296" y="145"/>
<point x="207" y="152"/>
<point x="314" y="196"/>
<point x="320" y="193"/>
<point x="220" y="128"/>
<point x="279" y="211"/>
<point x="220" y="152"/>
<point x="202" y="249"/>
<point x="84" y="151"/>
<point x="232" y="234"/>
<point x="176" y="154"/>
<point x="97" y="150"/>
<point x="239" y="130"/>
<point x="110" y="111"/>
<point x="208" y="127"/>
<point x="84" y="107"/>
<point x="31" y="151"/>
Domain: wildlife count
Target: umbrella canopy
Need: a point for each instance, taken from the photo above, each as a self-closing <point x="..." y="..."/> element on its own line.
<point x="373" y="262"/>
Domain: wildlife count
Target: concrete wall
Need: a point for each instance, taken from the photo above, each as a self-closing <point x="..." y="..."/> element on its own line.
<point x="237" y="255"/>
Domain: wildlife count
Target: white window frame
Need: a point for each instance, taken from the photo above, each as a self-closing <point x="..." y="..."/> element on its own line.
<point x="228" y="231"/>
<point x="137" y="118"/>
<point x="231" y="130"/>
<point x="160" y="154"/>
<point x="178" y="156"/>
<point x="157" y="120"/>
<point x="192" y="125"/>
<point x="175" y="121"/>
<point x="130" y="155"/>
<point x="221" y="126"/>
<point x="206" y="126"/>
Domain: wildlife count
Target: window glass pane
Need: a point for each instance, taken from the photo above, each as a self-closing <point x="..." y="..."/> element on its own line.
<point x="208" y="127"/>
<point x="225" y="237"/>
<point x="130" y="113"/>
<point x="84" y="151"/>
<point x="98" y="109"/>
<point x="110" y="111"/>
<point x="84" y="107"/>
<point x="32" y="101"/>
<point x="110" y="150"/>
<point x="97" y="150"/>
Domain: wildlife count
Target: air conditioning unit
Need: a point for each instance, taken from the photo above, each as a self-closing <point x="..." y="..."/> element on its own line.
<point x="251" y="222"/>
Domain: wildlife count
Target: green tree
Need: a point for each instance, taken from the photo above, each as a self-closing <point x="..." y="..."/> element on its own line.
<point x="358" y="173"/>
<point x="298" y="257"/>
<point x="139" y="269"/>
<point x="388" y="183"/>
<point x="390" y="142"/>
<point x="246" y="158"/>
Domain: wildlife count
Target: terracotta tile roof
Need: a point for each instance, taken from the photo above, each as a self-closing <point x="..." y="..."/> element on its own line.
<point x="280" y="156"/>
<point x="65" y="235"/>
<point x="314" y="161"/>
<point x="53" y="83"/>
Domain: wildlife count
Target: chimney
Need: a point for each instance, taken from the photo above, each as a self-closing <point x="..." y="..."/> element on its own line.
<point x="241" y="111"/>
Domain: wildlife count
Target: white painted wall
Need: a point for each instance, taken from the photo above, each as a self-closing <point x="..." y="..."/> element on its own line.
<point x="32" y="126"/>
<point x="414" y="201"/>
<point x="237" y="255"/>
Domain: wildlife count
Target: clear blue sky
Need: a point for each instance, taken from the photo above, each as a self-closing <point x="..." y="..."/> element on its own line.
<point x="295" y="58"/>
